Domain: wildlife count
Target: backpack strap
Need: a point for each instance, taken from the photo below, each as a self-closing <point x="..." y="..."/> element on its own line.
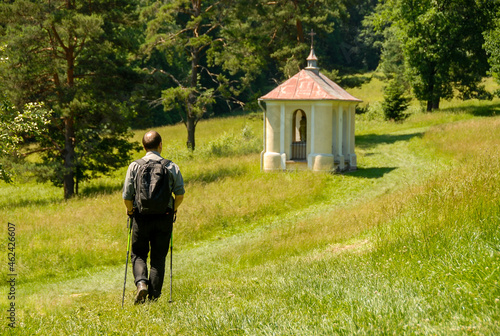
<point x="140" y="162"/>
<point x="165" y="162"/>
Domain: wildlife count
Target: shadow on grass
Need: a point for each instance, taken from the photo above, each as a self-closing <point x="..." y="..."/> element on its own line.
<point x="478" y="111"/>
<point x="30" y="203"/>
<point x="373" y="172"/>
<point x="87" y="191"/>
<point x="209" y="176"/>
<point x="371" y="140"/>
<point x="100" y="189"/>
<point x="107" y="188"/>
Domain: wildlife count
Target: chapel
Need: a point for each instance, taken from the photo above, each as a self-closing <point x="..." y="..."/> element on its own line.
<point x="309" y="123"/>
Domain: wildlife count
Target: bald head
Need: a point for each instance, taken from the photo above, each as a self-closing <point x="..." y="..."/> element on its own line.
<point x="151" y="141"/>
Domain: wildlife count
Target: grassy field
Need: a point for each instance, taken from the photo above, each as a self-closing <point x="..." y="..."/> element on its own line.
<point x="409" y="244"/>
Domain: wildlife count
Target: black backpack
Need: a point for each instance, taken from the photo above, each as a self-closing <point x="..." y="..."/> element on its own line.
<point x="152" y="187"/>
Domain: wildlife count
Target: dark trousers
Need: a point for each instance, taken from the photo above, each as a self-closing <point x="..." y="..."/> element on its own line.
<point x="151" y="235"/>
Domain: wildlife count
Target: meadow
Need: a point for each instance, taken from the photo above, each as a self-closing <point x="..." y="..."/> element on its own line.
<point x="409" y="244"/>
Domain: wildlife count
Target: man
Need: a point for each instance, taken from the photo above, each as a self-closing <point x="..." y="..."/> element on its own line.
<point x="151" y="230"/>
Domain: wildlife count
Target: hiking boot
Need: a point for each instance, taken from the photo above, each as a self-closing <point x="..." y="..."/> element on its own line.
<point x="142" y="292"/>
<point x="153" y="298"/>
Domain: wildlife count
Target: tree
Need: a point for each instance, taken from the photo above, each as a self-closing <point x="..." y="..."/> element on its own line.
<point x="395" y="102"/>
<point x="216" y="49"/>
<point x="184" y="30"/>
<point x="72" y="56"/>
<point x="442" y="45"/>
<point x="277" y="32"/>
<point x="352" y="46"/>
<point x="392" y="62"/>
<point x="492" y="46"/>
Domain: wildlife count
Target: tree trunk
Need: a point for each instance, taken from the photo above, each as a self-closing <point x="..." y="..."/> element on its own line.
<point x="300" y="31"/>
<point x="191" y="117"/>
<point x="298" y="24"/>
<point x="69" y="131"/>
<point x="76" y="179"/>
<point x="435" y="103"/>
<point x="191" y="126"/>
<point x="431" y="93"/>
<point x="69" y="157"/>
<point x="429" y="105"/>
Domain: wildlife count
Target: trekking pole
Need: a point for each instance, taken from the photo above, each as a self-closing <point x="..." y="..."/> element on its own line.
<point x="171" y="249"/>
<point x="171" y="246"/>
<point x="129" y="227"/>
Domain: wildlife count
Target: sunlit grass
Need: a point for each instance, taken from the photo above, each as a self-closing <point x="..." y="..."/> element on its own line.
<point x="225" y="195"/>
<point x="421" y="260"/>
<point x="370" y="92"/>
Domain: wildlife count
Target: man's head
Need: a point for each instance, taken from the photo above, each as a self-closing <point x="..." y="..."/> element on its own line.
<point x="152" y="141"/>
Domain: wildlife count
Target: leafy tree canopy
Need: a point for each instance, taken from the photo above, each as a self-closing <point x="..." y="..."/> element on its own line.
<point x="442" y="44"/>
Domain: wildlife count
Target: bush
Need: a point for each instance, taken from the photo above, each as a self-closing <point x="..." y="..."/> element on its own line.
<point x="362" y="109"/>
<point x="229" y="144"/>
<point x="374" y="112"/>
<point x="395" y="102"/>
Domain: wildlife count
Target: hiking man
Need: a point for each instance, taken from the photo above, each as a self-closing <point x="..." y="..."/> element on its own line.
<point x="152" y="219"/>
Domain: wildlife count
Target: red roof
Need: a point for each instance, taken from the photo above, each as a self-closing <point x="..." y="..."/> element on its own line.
<point x="309" y="85"/>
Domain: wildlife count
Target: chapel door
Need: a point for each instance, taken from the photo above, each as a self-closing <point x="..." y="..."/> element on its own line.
<point x="299" y="136"/>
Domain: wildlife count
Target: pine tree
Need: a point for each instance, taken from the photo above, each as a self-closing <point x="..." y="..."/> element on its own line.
<point x="72" y="56"/>
<point x="395" y="102"/>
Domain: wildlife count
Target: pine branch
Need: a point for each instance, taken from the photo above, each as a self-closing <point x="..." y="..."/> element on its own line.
<point x="37" y="151"/>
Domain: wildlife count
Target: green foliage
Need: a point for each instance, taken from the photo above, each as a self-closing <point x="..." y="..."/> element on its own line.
<point x="492" y="47"/>
<point x="392" y="62"/>
<point x="362" y="109"/>
<point x="229" y="144"/>
<point x="353" y="45"/>
<point x="223" y="144"/>
<point x="276" y="33"/>
<point x="15" y="127"/>
<point x="395" y="102"/>
<point x="74" y="58"/>
<point x="199" y="59"/>
<point x="185" y="32"/>
<point x="178" y="98"/>
<point x="442" y="45"/>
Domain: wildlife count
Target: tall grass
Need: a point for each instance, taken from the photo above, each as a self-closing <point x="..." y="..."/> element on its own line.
<point x="408" y="244"/>
<point x="421" y="260"/>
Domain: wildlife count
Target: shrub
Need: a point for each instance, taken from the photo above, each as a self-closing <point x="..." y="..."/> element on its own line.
<point x="362" y="109"/>
<point x="395" y="102"/>
<point x="374" y="112"/>
<point x="229" y="144"/>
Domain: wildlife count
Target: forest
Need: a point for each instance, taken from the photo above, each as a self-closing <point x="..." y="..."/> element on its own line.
<point x="76" y="77"/>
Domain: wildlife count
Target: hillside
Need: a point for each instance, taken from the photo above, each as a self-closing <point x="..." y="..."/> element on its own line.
<point x="407" y="244"/>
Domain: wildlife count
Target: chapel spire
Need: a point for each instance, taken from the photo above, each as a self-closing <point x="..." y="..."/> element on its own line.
<point x="312" y="60"/>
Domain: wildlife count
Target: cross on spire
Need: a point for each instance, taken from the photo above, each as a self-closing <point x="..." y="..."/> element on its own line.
<point x="312" y="33"/>
<point x="312" y="60"/>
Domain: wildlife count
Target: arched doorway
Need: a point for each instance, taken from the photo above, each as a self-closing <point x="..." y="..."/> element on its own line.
<point x="299" y="136"/>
